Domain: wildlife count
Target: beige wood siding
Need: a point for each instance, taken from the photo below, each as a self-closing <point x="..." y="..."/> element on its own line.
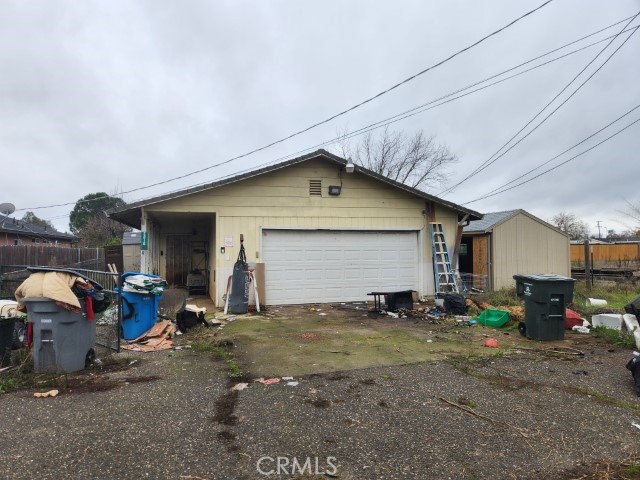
<point x="525" y="245"/>
<point x="281" y="199"/>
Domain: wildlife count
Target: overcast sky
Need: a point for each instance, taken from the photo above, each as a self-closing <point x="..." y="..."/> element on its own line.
<point x="117" y="95"/>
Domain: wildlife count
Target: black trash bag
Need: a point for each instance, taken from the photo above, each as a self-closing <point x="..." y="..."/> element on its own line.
<point x="634" y="366"/>
<point x="239" y="296"/>
<point x="455" y="304"/>
<point x="186" y="319"/>
<point x="634" y="307"/>
<point x="100" y="300"/>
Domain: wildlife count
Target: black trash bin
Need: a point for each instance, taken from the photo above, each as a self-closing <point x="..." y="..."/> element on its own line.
<point x="7" y="326"/>
<point x="545" y="303"/>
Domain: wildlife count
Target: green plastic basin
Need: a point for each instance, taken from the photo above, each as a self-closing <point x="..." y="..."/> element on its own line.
<point x="493" y="318"/>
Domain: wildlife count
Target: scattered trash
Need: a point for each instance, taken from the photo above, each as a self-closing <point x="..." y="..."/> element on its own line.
<point x="580" y="372"/>
<point x="287" y="378"/>
<point x="230" y="319"/>
<point x="269" y="381"/>
<point x="292" y="384"/>
<point x="50" y="393"/>
<point x="323" y="314"/>
<point x="155" y="339"/>
<point x="491" y="342"/>
<point x="634" y="424"/>
<point x="593" y="302"/>
<point x="312" y="309"/>
<point x="633" y="366"/>
<point x="607" y="320"/>
<point x="132" y="362"/>
<point x="239" y="386"/>
<point x="178" y="332"/>
<point x="580" y="329"/>
<point x="392" y="314"/>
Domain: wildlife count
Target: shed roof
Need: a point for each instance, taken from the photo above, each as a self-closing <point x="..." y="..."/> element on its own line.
<point x="131" y="238"/>
<point x="489" y="221"/>
<point x="493" y="219"/>
<point x="130" y="214"/>
<point x="19" y="227"/>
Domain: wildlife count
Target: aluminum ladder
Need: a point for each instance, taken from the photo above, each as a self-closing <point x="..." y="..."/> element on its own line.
<point x="445" y="279"/>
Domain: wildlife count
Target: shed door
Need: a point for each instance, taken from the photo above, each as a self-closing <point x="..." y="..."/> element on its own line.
<point x="480" y="260"/>
<point x="315" y="266"/>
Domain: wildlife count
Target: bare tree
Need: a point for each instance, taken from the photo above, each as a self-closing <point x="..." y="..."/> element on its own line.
<point x="633" y="212"/>
<point x="571" y="225"/>
<point x="99" y="230"/>
<point x="417" y="160"/>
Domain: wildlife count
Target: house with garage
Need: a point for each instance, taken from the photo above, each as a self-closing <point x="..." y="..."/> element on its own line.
<point x="501" y="244"/>
<point x="323" y="229"/>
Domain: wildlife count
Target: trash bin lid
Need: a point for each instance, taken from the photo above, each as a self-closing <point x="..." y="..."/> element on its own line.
<point x="543" y="277"/>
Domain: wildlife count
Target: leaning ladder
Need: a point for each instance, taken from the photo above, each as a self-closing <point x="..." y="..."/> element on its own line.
<point x="445" y="279"/>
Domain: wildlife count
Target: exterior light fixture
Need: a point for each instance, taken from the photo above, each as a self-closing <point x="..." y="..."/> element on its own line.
<point x="335" y="189"/>
<point x="349" y="167"/>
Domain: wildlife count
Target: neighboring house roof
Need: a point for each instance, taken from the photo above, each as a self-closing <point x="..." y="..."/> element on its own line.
<point x="131" y="238"/>
<point x="18" y="227"/>
<point x="493" y="219"/>
<point x="130" y="214"/>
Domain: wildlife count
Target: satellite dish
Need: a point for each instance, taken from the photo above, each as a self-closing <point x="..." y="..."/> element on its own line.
<point x="7" y="208"/>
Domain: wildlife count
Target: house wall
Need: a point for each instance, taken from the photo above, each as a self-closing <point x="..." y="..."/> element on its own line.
<point x="10" y="239"/>
<point x="281" y="199"/>
<point x="525" y="245"/>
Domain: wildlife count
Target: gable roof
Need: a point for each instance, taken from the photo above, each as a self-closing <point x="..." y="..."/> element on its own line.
<point x="489" y="221"/>
<point x="493" y="219"/>
<point x="19" y="227"/>
<point x="130" y="214"/>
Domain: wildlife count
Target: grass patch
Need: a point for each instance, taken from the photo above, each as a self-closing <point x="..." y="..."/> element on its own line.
<point x="505" y="297"/>
<point x="617" y="296"/>
<point x="615" y="337"/>
<point x="220" y="351"/>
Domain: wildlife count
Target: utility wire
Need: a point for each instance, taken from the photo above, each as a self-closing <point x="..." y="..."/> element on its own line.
<point x="560" y="154"/>
<point x="350" y="109"/>
<point x="400" y="116"/>
<point x="557" y="166"/>
<point x="492" y="160"/>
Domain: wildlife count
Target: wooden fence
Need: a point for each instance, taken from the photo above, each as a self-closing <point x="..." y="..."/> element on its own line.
<point x="91" y="258"/>
<point x="610" y="254"/>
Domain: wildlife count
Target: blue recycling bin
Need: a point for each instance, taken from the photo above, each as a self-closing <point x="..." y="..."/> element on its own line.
<point x="139" y="310"/>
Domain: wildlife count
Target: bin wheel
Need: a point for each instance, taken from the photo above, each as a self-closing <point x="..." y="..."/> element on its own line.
<point x="90" y="358"/>
<point x="19" y="335"/>
<point x="522" y="328"/>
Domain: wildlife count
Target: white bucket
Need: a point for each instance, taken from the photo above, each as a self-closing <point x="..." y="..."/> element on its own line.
<point x="592" y="302"/>
<point x="440" y="302"/>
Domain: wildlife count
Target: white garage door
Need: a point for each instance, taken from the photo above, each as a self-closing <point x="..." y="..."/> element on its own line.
<point x="314" y="266"/>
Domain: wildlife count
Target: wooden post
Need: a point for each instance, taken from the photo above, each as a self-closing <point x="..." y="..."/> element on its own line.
<point x="587" y="264"/>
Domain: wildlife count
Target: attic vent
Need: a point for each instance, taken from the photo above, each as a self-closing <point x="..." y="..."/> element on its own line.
<point x="315" y="188"/>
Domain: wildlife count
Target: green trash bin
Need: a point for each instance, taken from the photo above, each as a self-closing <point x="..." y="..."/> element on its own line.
<point x="545" y="304"/>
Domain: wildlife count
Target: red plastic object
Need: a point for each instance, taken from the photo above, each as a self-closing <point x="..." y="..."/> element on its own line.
<point x="491" y="342"/>
<point x="572" y="319"/>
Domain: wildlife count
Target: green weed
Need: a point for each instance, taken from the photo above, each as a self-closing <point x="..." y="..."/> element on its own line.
<point x="221" y="353"/>
<point x="615" y="337"/>
<point x="505" y="297"/>
<point x="7" y="384"/>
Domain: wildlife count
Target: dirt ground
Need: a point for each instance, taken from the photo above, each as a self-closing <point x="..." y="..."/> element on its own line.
<point x="375" y="399"/>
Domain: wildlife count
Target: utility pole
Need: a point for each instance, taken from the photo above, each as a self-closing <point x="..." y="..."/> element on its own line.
<point x="599" y="222"/>
<point x="587" y="265"/>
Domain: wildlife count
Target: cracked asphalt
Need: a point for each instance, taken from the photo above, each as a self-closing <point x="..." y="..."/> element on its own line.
<point x="526" y="414"/>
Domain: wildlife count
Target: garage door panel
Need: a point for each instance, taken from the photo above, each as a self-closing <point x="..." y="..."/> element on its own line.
<point x="307" y="266"/>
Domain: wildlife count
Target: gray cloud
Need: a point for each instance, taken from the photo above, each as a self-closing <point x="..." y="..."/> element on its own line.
<point x="98" y="96"/>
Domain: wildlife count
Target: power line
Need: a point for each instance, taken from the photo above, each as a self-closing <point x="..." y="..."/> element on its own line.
<point x="489" y="161"/>
<point x="557" y="166"/>
<point x="400" y="116"/>
<point x="562" y="153"/>
<point x="344" y="112"/>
